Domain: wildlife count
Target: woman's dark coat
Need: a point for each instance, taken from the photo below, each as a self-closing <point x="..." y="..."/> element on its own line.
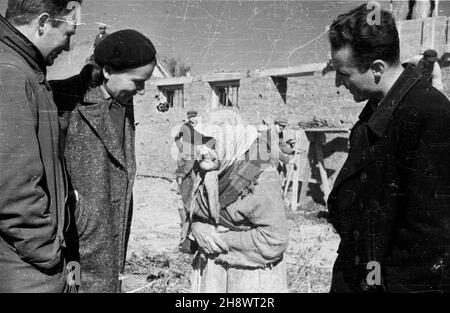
<point x="101" y="173"/>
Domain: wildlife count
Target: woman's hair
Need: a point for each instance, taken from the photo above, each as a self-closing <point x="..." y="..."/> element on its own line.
<point x="92" y="75"/>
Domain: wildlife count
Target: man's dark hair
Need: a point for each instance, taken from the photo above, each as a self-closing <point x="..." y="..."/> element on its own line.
<point x="22" y="12"/>
<point x="368" y="42"/>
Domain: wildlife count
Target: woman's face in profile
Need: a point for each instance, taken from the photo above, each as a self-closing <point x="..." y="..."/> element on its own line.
<point x="124" y="85"/>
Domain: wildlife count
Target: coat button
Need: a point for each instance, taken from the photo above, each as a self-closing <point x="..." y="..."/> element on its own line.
<point x="363" y="177"/>
<point x="40" y="77"/>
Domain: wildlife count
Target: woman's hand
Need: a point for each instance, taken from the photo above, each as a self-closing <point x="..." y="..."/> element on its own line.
<point x="208" y="238"/>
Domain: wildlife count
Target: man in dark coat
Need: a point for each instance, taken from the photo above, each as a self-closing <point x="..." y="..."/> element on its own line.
<point x="98" y="120"/>
<point x="390" y="203"/>
<point x="32" y="179"/>
<point x="101" y="35"/>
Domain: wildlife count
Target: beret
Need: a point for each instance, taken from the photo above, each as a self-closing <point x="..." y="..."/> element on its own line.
<point x="125" y="49"/>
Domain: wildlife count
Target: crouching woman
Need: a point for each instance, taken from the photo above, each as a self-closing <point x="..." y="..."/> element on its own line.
<point x="237" y="216"/>
<point x="97" y="116"/>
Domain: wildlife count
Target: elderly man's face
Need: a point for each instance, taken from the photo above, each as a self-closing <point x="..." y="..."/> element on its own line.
<point x="193" y="120"/>
<point x="124" y="85"/>
<point x="359" y="84"/>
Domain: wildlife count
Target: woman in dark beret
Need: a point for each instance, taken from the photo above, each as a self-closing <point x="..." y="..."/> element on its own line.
<point x="97" y="117"/>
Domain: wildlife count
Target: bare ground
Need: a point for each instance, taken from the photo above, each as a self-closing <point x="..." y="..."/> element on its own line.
<point x="155" y="265"/>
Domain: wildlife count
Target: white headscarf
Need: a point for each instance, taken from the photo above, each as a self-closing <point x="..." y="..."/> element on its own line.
<point x="233" y="136"/>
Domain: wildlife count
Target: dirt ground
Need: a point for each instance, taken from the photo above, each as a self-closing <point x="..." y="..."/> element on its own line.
<point x="155" y="265"/>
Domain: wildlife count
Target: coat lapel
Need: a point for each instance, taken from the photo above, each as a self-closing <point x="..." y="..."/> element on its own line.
<point x="379" y="120"/>
<point x="356" y="161"/>
<point x="129" y="139"/>
<point x="363" y="151"/>
<point x="99" y="119"/>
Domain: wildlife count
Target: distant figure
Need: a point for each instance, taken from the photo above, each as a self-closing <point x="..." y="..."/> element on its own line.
<point x="285" y="150"/>
<point x="185" y="137"/>
<point x="428" y="62"/>
<point x="280" y="125"/>
<point x="186" y="140"/>
<point x="100" y="36"/>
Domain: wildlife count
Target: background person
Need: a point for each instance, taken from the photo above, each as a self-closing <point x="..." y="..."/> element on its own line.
<point x="101" y="35"/>
<point x="429" y="65"/>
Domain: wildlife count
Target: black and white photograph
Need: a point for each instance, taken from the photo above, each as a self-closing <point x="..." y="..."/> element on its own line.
<point x="224" y="147"/>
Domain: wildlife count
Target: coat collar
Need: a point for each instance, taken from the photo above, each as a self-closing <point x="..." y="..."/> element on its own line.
<point x="14" y="39"/>
<point x="96" y="95"/>
<point x="378" y="119"/>
<point x="97" y="115"/>
<point x="376" y="114"/>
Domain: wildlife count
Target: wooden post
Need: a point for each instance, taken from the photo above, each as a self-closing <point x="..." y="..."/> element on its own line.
<point x="232" y="96"/>
<point x="320" y="163"/>
<point x="214" y="98"/>
<point x="289" y="174"/>
<point x="227" y="89"/>
<point x="306" y="172"/>
<point x="182" y="95"/>
<point x="295" y="177"/>
<point x="302" y="165"/>
<point x="291" y="168"/>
